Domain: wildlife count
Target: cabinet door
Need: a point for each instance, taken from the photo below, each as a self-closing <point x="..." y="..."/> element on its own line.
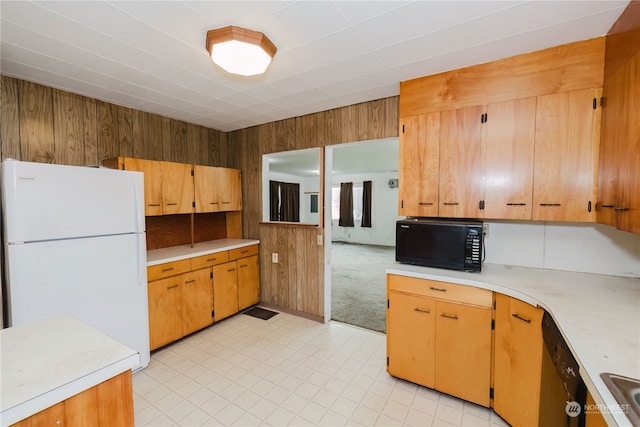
<point x="197" y="300"/>
<point x="463" y="351"/>
<point x="165" y="311"/>
<point x="517" y="361"/>
<point x="565" y="165"/>
<point x="152" y="183"/>
<point x="177" y="188"/>
<point x="411" y="338"/>
<point x="462" y="157"/>
<point x="225" y="290"/>
<point x="248" y="282"/>
<point x="419" y="165"/>
<point x="508" y="188"/>
<point x="52" y="416"/>
<point x="206" y="189"/>
<point x="230" y="189"/>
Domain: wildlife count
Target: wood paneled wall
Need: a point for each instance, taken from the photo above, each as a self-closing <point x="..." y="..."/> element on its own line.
<point x="296" y="282"/>
<point x="43" y="124"/>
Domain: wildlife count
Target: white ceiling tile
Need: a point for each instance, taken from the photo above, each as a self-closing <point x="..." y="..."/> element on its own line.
<point x="142" y="10"/>
<point x="100" y="16"/>
<point x="20" y="12"/>
<point x="72" y="33"/>
<point x="355" y="13"/>
<point x="172" y="21"/>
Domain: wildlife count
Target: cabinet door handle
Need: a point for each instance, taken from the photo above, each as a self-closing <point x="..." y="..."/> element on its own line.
<point x="448" y="316"/>
<point x="172" y="204"/>
<point x="425" y="203"/>
<point x="550" y="204"/>
<point x="516" y="204"/>
<point x="189" y="281"/>
<point x="171" y="287"/>
<point x="524" y="319"/>
<point x="422" y="310"/>
<point x="213" y="203"/>
<point x="450" y="203"/>
<point x="230" y="270"/>
<point x="164" y="270"/>
<point x="438" y="289"/>
<point x="226" y="203"/>
<point x="244" y="252"/>
<point x="608" y="206"/>
<point x="211" y="259"/>
<point x="620" y="209"/>
<point x="243" y="266"/>
<point x="154" y="204"/>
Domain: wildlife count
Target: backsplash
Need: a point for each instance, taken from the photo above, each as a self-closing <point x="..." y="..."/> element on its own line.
<point x="591" y="248"/>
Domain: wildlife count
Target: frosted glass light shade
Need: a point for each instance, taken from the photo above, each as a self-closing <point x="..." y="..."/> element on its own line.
<point x="240" y="51"/>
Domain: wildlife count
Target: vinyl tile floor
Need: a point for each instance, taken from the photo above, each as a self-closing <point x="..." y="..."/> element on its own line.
<point x="288" y="371"/>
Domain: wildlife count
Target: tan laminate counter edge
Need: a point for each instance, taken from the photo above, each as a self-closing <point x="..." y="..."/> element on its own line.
<point x="176" y="253"/>
<point x="598" y="315"/>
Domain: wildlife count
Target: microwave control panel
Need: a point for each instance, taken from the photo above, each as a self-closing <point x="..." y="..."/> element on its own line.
<point x="473" y="249"/>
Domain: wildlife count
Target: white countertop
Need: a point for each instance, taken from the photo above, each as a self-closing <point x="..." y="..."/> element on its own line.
<point x="176" y="253"/>
<point x="45" y="362"/>
<point x="598" y="315"/>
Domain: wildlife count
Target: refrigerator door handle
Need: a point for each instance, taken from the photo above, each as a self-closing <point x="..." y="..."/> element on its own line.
<point x="142" y="259"/>
<point x="139" y="203"/>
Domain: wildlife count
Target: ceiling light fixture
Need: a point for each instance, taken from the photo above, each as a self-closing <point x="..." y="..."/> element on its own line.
<point x="240" y="51"/>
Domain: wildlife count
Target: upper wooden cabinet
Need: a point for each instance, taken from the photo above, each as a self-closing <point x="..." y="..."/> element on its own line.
<point x="217" y="189"/>
<point x="508" y="178"/>
<point x="174" y="188"/>
<point x="419" y="165"/>
<point x="177" y="188"/>
<point x="462" y="157"/>
<point x="619" y="171"/>
<point x="566" y="153"/>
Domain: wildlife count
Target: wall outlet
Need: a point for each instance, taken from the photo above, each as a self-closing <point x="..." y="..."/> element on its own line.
<point x="485" y="230"/>
<point x="274" y="257"/>
<point x="319" y="237"/>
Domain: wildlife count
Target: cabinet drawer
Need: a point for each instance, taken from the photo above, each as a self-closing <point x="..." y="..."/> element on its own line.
<point x="209" y="260"/>
<point x="243" y="252"/>
<point x="168" y="269"/>
<point x="440" y="290"/>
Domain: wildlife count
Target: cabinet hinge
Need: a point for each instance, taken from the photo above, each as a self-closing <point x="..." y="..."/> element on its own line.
<point x="493" y="324"/>
<point x="602" y="101"/>
<point x="212" y="314"/>
<point x="211" y="275"/>
<point x="595" y="103"/>
<point x="387" y="361"/>
<point x="193" y="204"/>
<point x="481" y="205"/>
<point x="402" y="128"/>
<point x="482" y="118"/>
<point x="387" y="303"/>
<point x="491" y="392"/>
<point x="192" y="174"/>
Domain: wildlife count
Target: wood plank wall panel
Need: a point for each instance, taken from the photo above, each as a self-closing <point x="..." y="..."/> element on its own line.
<point x="296" y="282"/>
<point x="573" y="66"/>
<point x="10" y="126"/>
<point x="42" y="124"/>
<point x="68" y="128"/>
<point x="36" y="121"/>
<point x="90" y="126"/>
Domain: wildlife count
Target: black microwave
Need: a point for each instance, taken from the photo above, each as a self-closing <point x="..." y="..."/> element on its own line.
<point x="455" y="245"/>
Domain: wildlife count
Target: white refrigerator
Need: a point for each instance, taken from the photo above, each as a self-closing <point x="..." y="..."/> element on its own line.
<point x="74" y="242"/>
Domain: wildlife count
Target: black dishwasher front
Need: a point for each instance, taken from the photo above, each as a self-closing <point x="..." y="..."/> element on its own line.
<point x="563" y="394"/>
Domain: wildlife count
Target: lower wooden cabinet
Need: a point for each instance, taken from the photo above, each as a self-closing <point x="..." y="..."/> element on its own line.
<point x="165" y="310"/>
<point x="248" y="282"/>
<point x="190" y="294"/>
<point x="436" y="338"/>
<point x="225" y="290"/>
<point x="517" y="361"/>
<point x="109" y="403"/>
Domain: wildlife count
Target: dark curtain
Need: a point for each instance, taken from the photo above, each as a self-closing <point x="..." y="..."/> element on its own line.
<point x="346" y="205"/>
<point x="366" y="204"/>
<point x="290" y="202"/>
<point x="274" y="201"/>
<point x="284" y="201"/>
